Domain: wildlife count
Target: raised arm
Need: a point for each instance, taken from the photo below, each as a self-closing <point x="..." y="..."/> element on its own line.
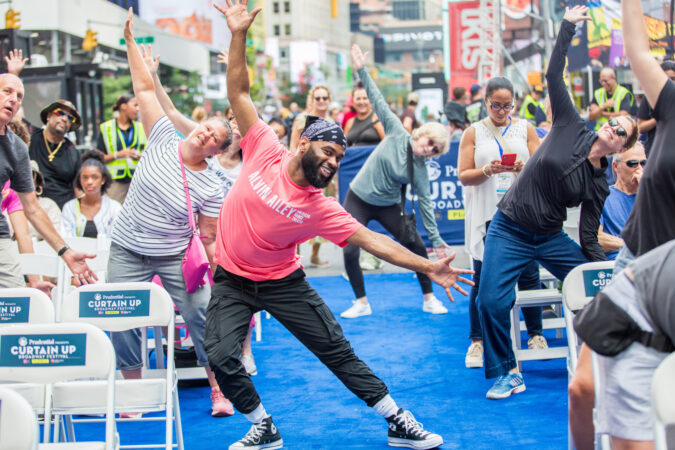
<point x="636" y="44"/>
<point x="391" y="123"/>
<point x="238" y="90"/>
<point x="144" y="88"/>
<point x="561" y="105"/>
<point x="181" y="123"/>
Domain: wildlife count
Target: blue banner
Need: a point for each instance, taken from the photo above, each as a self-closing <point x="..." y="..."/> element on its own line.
<point x="33" y="350"/>
<point x="125" y="303"/>
<point x="14" y="309"/>
<point x="444" y="186"/>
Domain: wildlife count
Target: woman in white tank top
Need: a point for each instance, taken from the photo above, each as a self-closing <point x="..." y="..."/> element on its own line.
<point x="485" y="182"/>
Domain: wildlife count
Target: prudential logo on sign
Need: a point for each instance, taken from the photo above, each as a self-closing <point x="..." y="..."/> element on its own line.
<point x="595" y="280"/>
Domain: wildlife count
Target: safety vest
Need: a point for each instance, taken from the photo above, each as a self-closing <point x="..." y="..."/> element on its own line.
<point x="122" y="168"/>
<point x="525" y="111"/>
<point x="600" y="96"/>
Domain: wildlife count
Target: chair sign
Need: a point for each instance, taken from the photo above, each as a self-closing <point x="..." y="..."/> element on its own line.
<point x="43" y="350"/>
<point x="14" y="309"/>
<point x="595" y="280"/>
<point x="119" y="303"/>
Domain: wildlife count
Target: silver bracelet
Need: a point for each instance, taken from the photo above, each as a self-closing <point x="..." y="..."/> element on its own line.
<point x="485" y="172"/>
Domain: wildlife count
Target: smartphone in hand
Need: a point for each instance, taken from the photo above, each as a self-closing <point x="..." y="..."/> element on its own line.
<point x="508" y="159"/>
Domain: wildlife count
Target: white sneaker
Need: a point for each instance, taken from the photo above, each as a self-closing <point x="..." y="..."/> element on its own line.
<point x="249" y="364"/>
<point x="434" y="306"/>
<point x="358" y="309"/>
<point x="474" y="356"/>
<point x="537" y="342"/>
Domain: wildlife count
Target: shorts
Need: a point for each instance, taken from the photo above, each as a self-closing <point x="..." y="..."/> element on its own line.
<point x="624" y="405"/>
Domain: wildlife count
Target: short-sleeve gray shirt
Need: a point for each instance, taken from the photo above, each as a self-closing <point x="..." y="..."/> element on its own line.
<point x="15" y="167"/>
<point x="654" y="273"/>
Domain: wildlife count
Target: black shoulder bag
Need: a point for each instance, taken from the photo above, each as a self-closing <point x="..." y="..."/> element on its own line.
<point x="608" y="330"/>
<point x="408" y="223"/>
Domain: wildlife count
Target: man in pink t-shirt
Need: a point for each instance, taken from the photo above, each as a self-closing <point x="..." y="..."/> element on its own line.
<point x="275" y="204"/>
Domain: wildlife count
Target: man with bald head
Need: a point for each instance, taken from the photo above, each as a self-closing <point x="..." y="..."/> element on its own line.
<point x="628" y="168"/>
<point x="15" y="167"/>
<point x="611" y="100"/>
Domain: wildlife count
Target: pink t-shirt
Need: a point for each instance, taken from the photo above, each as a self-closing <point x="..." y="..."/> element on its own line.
<point x="266" y="214"/>
<point x="10" y="201"/>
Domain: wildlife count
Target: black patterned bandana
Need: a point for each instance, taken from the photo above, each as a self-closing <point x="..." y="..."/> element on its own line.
<point x="318" y="129"/>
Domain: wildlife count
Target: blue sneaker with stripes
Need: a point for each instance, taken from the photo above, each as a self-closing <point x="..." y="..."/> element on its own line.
<point x="511" y="383"/>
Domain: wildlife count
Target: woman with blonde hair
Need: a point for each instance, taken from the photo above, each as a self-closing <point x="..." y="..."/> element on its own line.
<point x="318" y="102"/>
<point x="375" y="192"/>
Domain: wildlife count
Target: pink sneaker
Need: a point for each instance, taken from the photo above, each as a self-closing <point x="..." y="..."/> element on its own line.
<point x="132" y="415"/>
<point x="220" y="406"/>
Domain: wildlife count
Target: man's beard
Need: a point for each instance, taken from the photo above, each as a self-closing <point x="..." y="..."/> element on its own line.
<point x="310" y="167"/>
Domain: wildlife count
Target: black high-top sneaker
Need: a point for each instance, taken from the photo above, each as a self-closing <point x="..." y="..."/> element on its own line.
<point x="262" y="435"/>
<point x="405" y="431"/>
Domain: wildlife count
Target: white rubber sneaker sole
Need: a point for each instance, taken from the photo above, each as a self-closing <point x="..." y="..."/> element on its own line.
<point x="473" y="364"/>
<point x="271" y="445"/>
<point x="516" y="390"/>
<point x="432" y="442"/>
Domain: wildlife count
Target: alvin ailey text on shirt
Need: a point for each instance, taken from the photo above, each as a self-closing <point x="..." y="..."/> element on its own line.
<point x="277" y="204"/>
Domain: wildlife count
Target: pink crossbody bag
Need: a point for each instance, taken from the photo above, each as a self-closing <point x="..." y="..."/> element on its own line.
<point x="195" y="262"/>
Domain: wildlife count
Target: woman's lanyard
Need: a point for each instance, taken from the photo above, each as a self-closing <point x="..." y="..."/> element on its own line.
<point x="125" y="139"/>
<point x="501" y="150"/>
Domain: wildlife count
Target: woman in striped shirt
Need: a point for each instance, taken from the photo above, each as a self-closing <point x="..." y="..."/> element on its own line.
<point x="153" y="230"/>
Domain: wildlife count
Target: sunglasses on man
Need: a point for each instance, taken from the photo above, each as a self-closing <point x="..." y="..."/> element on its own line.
<point x="620" y="131"/>
<point x="68" y="116"/>
<point x="633" y="163"/>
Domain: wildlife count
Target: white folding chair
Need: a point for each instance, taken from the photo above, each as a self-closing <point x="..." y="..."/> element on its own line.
<point x="53" y="354"/>
<point x="531" y="298"/>
<point x="663" y="404"/>
<point x="579" y="288"/>
<point x="24" y="306"/>
<point x="46" y="265"/>
<point x="119" y="307"/>
<point x="18" y="424"/>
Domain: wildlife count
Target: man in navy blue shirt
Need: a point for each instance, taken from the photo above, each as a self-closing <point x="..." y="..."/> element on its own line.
<point x="628" y="168"/>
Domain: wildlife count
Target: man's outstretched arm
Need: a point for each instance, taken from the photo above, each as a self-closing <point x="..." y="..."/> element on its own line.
<point x="238" y="91"/>
<point x="440" y="272"/>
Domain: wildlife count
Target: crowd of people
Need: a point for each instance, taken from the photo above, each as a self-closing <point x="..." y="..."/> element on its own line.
<point x="258" y="182"/>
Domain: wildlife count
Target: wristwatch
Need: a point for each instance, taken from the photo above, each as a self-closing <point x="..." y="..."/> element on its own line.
<point x="63" y="250"/>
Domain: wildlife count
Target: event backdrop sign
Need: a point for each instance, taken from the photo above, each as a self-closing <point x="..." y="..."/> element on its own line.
<point x="444" y="186"/>
<point x="465" y="37"/>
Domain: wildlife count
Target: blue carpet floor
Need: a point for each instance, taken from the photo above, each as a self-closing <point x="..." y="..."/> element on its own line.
<point x="419" y="356"/>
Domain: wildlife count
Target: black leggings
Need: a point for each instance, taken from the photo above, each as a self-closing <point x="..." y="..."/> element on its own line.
<point x="390" y="218"/>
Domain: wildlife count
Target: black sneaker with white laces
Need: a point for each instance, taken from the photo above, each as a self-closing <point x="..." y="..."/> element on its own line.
<point x="405" y="431"/>
<point x="262" y="435"/>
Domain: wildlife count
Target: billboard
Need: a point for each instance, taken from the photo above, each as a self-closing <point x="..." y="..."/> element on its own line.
<point x="196" y="19"/>
<point x="465" y="38"/>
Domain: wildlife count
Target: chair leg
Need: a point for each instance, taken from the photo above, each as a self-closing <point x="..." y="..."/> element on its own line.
<point x="178" y="424"/>
<point x="515" y="335"/>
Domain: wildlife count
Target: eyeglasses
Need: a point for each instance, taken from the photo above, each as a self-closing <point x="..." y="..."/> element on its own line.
<point x="434" y="148"/>
<point x="620" y="131"/>
<point x="62" y="113"/>
<point x="633" y="163"/>
<point x="496" y="106"/>
<point x="321" y="99"/>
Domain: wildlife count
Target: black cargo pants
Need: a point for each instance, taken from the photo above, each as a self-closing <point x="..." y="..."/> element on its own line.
<point x="299" y="308"/>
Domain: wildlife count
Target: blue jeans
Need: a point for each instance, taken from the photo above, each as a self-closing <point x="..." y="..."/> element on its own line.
<point x="509" y="249"/>
<point x="528" y="280"/>
<point x="124" y="266"/>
